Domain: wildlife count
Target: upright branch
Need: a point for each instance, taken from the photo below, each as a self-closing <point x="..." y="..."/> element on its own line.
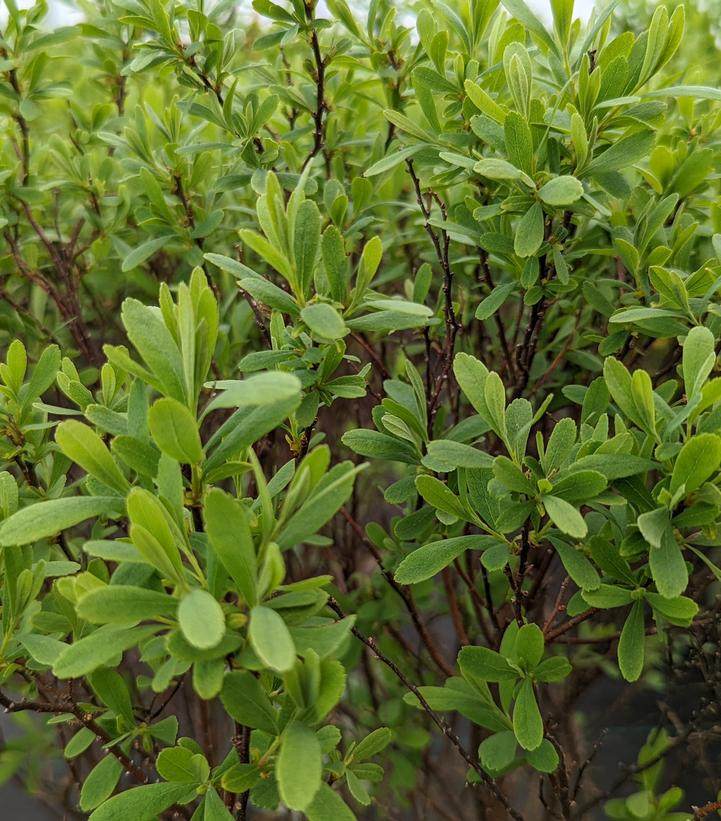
<point x="321" y="106"/>
<point x="441" y="244"/>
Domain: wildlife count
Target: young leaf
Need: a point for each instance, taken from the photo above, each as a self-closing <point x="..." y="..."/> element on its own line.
<point x="699" y="356"/>
<point x="175" y="431"/>
<point x="560" y="191"/>
<point x="201" y="619"/>
<point x="324" y="321"/>
<point x="81" y="444"/>
<point x="271" y="640"/>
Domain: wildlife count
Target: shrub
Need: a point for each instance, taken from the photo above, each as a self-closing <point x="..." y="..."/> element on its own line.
<point x="362" y="411"/>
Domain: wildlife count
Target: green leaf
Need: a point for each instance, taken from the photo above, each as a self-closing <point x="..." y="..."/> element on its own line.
<point x="531" y="23"/>
<point x="97" y="650"/>
<point x="699" y="356"/>
<point x="356" y="788"/>
<point x="176" y="764"/>
<point x="125" y="604"/>
<point x="559" y="445"/>
<point x="267" y="251"/>
<point x="81" y="444"/>
<point x="100" y="783"/>
<point x="566" y="518"/>
<point x="564" y="190"/>
<point x="327" y="805"/>
<point x="496" y="169"/>
<point x="335" y="262"/>
<point x="527" y="721"/>
<point x="430" y="559"/>
<point x="306" y="242"/>
<point x="494" y="394"/>
<point x="201" y="619"/>
<point x="529" y="232"/>
<point x="246" y="701"/>
<point x="269" y="294"/>
<point x="495" y="300"/>
<point x="543" y="758"/>
<point x="79" y="743"/>
<point x="143" y="803"/>
<point x="621" y="154"/>
<point x="653" y="525"/>
<point x="231" y="265"/>
<point x="43" y="375"/>
<point x="471" y="375"/>
<point x="155" y="344"/>
<point x="226" y="523"/>
<point x="697" y="92"/>
<point x="44" y="519"/>
<point x="483" y="102"/>
<point x="680" y="610"/>
<point x="257" y="390"/>
<point x="323" y="639"/>
<point x="43" y="649"/>
<point x="580" y="485"/>
<point x="438" y="495"/>
<point x="324" y="321"/>
<point x="667" y="565"/>
<point x="299" y="766"/>
<point x="519" y="141"/>
<point x="392" y="160"/>
<point x="698" y="459"/>
<point x="498" y="751"/>
<point x="175" y="431"/>
<point x="445" y="456"/>
<point x="372" y="744"/>
<point x="368" y="264"/>
<point x="577" y="565"/>
<point x="326" y="499"/>
<point x="271" y="640"/>
<point x="615" y="466"/>
<point x="607" y="596"/>
<point x="529" y="645"/>
<point x="143" y="252"/>
<point x="213" y="807"/>
<point x="484" y="664"/>
<point x="554" y="668"/>
<point x="632" y="642"/>
<point x="241" y="777"/>
<point x="619" y="384"/>
<point x="642" y="314"/>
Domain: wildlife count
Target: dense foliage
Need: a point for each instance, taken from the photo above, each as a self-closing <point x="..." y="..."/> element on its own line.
<point x="361" y="417"/>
